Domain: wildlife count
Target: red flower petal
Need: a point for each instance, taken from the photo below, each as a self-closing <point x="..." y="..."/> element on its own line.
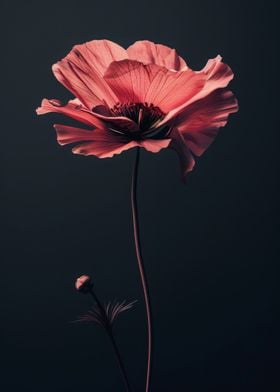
<point x="75" y="110"/>
<point x="68" y="135"/>
<point x="215" y="69"/>
<point x="120" y="122"/>
<point x="103" y="144"/>
<point x="100" y="53"/>
<point x="199" y="123"/>
<point x="130" y="80"/>
<point x="154" y="145"/>
<point x="71" y="109"/>
<point x="150" y="53"/>
<point x="217" y="75"/>
<point x="82" y="70"/>
<point x="186" y="158"/>
<point x="196" y="127"/>
<point x="170" y="89"/>
<point x="104" y="148"/>
<point x="98" y="142"/>
<point x="133" y="81"/>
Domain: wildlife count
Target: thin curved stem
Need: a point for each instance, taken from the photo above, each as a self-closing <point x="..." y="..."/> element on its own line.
<point x="109" y="331"/>
<point x="141" y="267"/>
<point x="120" y="362"/>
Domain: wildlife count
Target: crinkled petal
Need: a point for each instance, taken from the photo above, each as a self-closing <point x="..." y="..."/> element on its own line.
<point x="155" y="145"/>
<point x="103" y="143"/>
<point x="98" y="142"/>
<point x="186" y="158"/>
<point x="100" y="53"/>
<point x="75" y="110"/>
<point x="104" y="148"/>
<point x="71" y="109"/>
<point x="135" y="82"/>
<point x="108" y="148"/>
<point x="217" y="75"/>
<point x="168" y="90"/>
<point x="82" y="70"/>
<point x="119" y="122"/>
<point x="67" y="134"/>
<point x="196" y="127"/>
<point x="150" y="53"/>
<point x="216" y="70"/>
<point x="199" y="123"/>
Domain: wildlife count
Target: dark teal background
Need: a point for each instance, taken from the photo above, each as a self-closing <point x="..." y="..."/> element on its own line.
<point x="211" y="246"/>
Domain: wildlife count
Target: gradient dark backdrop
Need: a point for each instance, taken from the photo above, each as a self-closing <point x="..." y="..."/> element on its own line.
<point x="210" y="247"/>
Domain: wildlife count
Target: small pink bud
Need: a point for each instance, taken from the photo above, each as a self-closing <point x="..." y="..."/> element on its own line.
<point x="83" y="284"/>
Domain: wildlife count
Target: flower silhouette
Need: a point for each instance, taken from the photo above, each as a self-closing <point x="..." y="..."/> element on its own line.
<point x="145" y="96"/>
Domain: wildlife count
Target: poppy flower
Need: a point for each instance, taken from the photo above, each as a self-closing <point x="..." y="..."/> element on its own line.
<point x="144" y="96"/>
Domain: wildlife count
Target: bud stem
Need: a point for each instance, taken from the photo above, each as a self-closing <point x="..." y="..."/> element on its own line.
<point x="109" y="331"/>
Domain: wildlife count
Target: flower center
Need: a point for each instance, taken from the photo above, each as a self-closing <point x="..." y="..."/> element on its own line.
<point x="145" y="116"/>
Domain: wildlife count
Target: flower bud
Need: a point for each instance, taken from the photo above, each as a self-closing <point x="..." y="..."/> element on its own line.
<point x="83" y="284"/>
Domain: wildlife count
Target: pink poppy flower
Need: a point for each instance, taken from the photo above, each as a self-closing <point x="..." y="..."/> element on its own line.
<point x="143" y="96"/>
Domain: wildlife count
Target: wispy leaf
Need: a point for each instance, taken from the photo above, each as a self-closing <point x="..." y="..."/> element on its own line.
<point x="112" y="310"/>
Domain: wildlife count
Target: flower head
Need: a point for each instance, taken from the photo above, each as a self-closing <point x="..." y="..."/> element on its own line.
<point x="83" y="284"/>
<point x="143" y="96"/>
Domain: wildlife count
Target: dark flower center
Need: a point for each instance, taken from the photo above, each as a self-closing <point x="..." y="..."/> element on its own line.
<point x="145" y="116"/>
